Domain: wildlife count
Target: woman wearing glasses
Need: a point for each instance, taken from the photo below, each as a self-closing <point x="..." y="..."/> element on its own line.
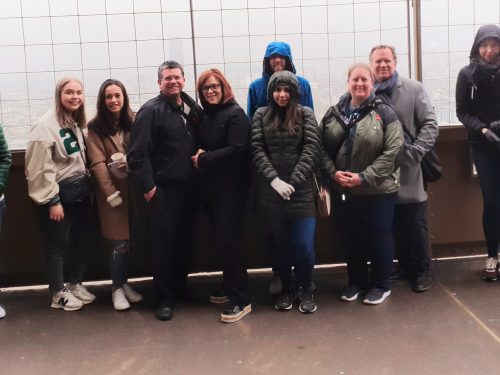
<point x="221" y="160"/>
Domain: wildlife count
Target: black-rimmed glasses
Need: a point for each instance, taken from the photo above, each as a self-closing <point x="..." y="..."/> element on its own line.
<point x="213" y="87"/>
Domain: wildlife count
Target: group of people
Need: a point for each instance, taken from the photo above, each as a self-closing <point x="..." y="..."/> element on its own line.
<point x="182" y="156"/>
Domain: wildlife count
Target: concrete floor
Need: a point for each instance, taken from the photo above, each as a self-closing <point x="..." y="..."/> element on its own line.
<point x="454" y="328"/>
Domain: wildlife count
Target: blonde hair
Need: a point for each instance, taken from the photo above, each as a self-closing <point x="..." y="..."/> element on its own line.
<point x="361" y="66"/>
<point x="63" y="116"/>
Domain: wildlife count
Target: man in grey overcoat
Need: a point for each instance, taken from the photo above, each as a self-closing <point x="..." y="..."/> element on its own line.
<point x="415" y="111"/>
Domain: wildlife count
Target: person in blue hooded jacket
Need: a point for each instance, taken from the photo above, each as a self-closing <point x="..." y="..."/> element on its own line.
<point x="278" y="57"/>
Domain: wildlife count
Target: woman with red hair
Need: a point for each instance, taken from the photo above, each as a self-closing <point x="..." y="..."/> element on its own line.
<point x="222" y="162"/>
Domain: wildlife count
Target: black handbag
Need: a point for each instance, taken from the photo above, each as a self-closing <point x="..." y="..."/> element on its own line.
<point x="75" y="188"/>
<point x="432" y="170"/>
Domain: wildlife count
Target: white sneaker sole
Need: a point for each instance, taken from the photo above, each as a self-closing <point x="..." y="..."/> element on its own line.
<point x="347" y="299"/>
<point x="379" y="301"/>
<point x="308" y="312"/>
<point x="235" y="318"/>
<point x="65" y="308"/>
<point x="218" y="300"/>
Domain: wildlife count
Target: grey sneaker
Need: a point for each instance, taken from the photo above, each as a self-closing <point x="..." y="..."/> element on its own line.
<point x="376" y="296"/>
<point x="80" y="292"/>
<point x="350" y="293"/>
<point x="307" y="304"/>
<point x="2" y="312"/>
<point x="285" y="301"/>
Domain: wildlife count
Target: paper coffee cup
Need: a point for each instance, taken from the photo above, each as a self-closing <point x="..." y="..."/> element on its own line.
<point x="117" y="157"/>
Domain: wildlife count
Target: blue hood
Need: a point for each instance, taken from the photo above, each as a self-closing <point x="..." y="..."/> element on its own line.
<point x="278" y="48"/>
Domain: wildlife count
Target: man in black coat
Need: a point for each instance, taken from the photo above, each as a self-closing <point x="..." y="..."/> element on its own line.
<point x="159" y="158"/>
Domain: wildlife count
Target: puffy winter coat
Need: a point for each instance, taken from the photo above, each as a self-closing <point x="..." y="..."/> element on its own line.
<point x="291" y="157"/>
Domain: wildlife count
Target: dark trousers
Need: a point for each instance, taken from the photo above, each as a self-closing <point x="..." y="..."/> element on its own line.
<point x="293" y="241"/>
<point x="118" y="261"/>
<point x="364" y="229"/>
<point x="411" y="238"/>
<point x="486" y="157"/>
<point x="3" y="212"/>
<point x="71" y="234"/>
<point x="224" y="210"/>
<point x="172" y="219"/>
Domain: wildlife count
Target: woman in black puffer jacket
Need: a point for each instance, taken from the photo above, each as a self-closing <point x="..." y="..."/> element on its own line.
<point x="478" y="108"/>
<point x="286" y="150"/>
<point x="222" y="162"/>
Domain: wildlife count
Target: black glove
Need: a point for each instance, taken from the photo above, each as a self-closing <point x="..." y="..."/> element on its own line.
<point x="491" y="136"/>
<point x="495" y="126"/>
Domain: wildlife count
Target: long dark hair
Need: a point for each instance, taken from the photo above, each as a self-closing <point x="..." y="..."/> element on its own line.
<point x="287" y="118"/>
<point x="104" y="123"/>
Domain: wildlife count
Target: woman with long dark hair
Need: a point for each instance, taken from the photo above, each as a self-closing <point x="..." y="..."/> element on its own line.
<point x="107" y="141"/>
<point x="286" y="150"/>
<point x="478" y="108"/>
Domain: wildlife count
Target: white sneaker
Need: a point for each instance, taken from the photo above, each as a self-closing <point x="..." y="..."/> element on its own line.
<point x="119" y="300"/>
<point x="65" y="300"/>
<point x="491" y="269"/>
<point x="80" y="292"/>
<point x="2" y="312"/>
<point x="131" y="294"/>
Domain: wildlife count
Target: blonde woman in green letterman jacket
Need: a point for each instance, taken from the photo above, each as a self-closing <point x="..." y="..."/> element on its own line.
<point x="56" y="151"/>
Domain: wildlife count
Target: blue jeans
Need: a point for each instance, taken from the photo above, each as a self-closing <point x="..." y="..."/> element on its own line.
<point x="486" y="157"/>
<point x="293" y="241"/>
<point x="117" y="262"/>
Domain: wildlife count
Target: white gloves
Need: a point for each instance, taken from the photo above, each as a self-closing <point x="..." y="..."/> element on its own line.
<point x="114" y="199"/>
<point x="282" y="188"/>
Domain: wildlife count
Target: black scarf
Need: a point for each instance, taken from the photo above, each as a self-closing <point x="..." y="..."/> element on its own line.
<point x="385" y="88"/>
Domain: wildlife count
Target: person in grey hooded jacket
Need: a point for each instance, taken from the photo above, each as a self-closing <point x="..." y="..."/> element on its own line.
<point x="478" y="108"/>
<point x="414" y="109"/>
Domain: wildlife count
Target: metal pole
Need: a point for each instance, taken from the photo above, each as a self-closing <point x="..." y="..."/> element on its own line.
<point x="193" y="45"/>
<point x="417" y="29"/>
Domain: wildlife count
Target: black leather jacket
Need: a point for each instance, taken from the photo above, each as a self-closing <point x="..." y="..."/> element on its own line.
<point x="162" y="143"/>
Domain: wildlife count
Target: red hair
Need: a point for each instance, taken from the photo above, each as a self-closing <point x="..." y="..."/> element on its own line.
<point x="227" y="91"/>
